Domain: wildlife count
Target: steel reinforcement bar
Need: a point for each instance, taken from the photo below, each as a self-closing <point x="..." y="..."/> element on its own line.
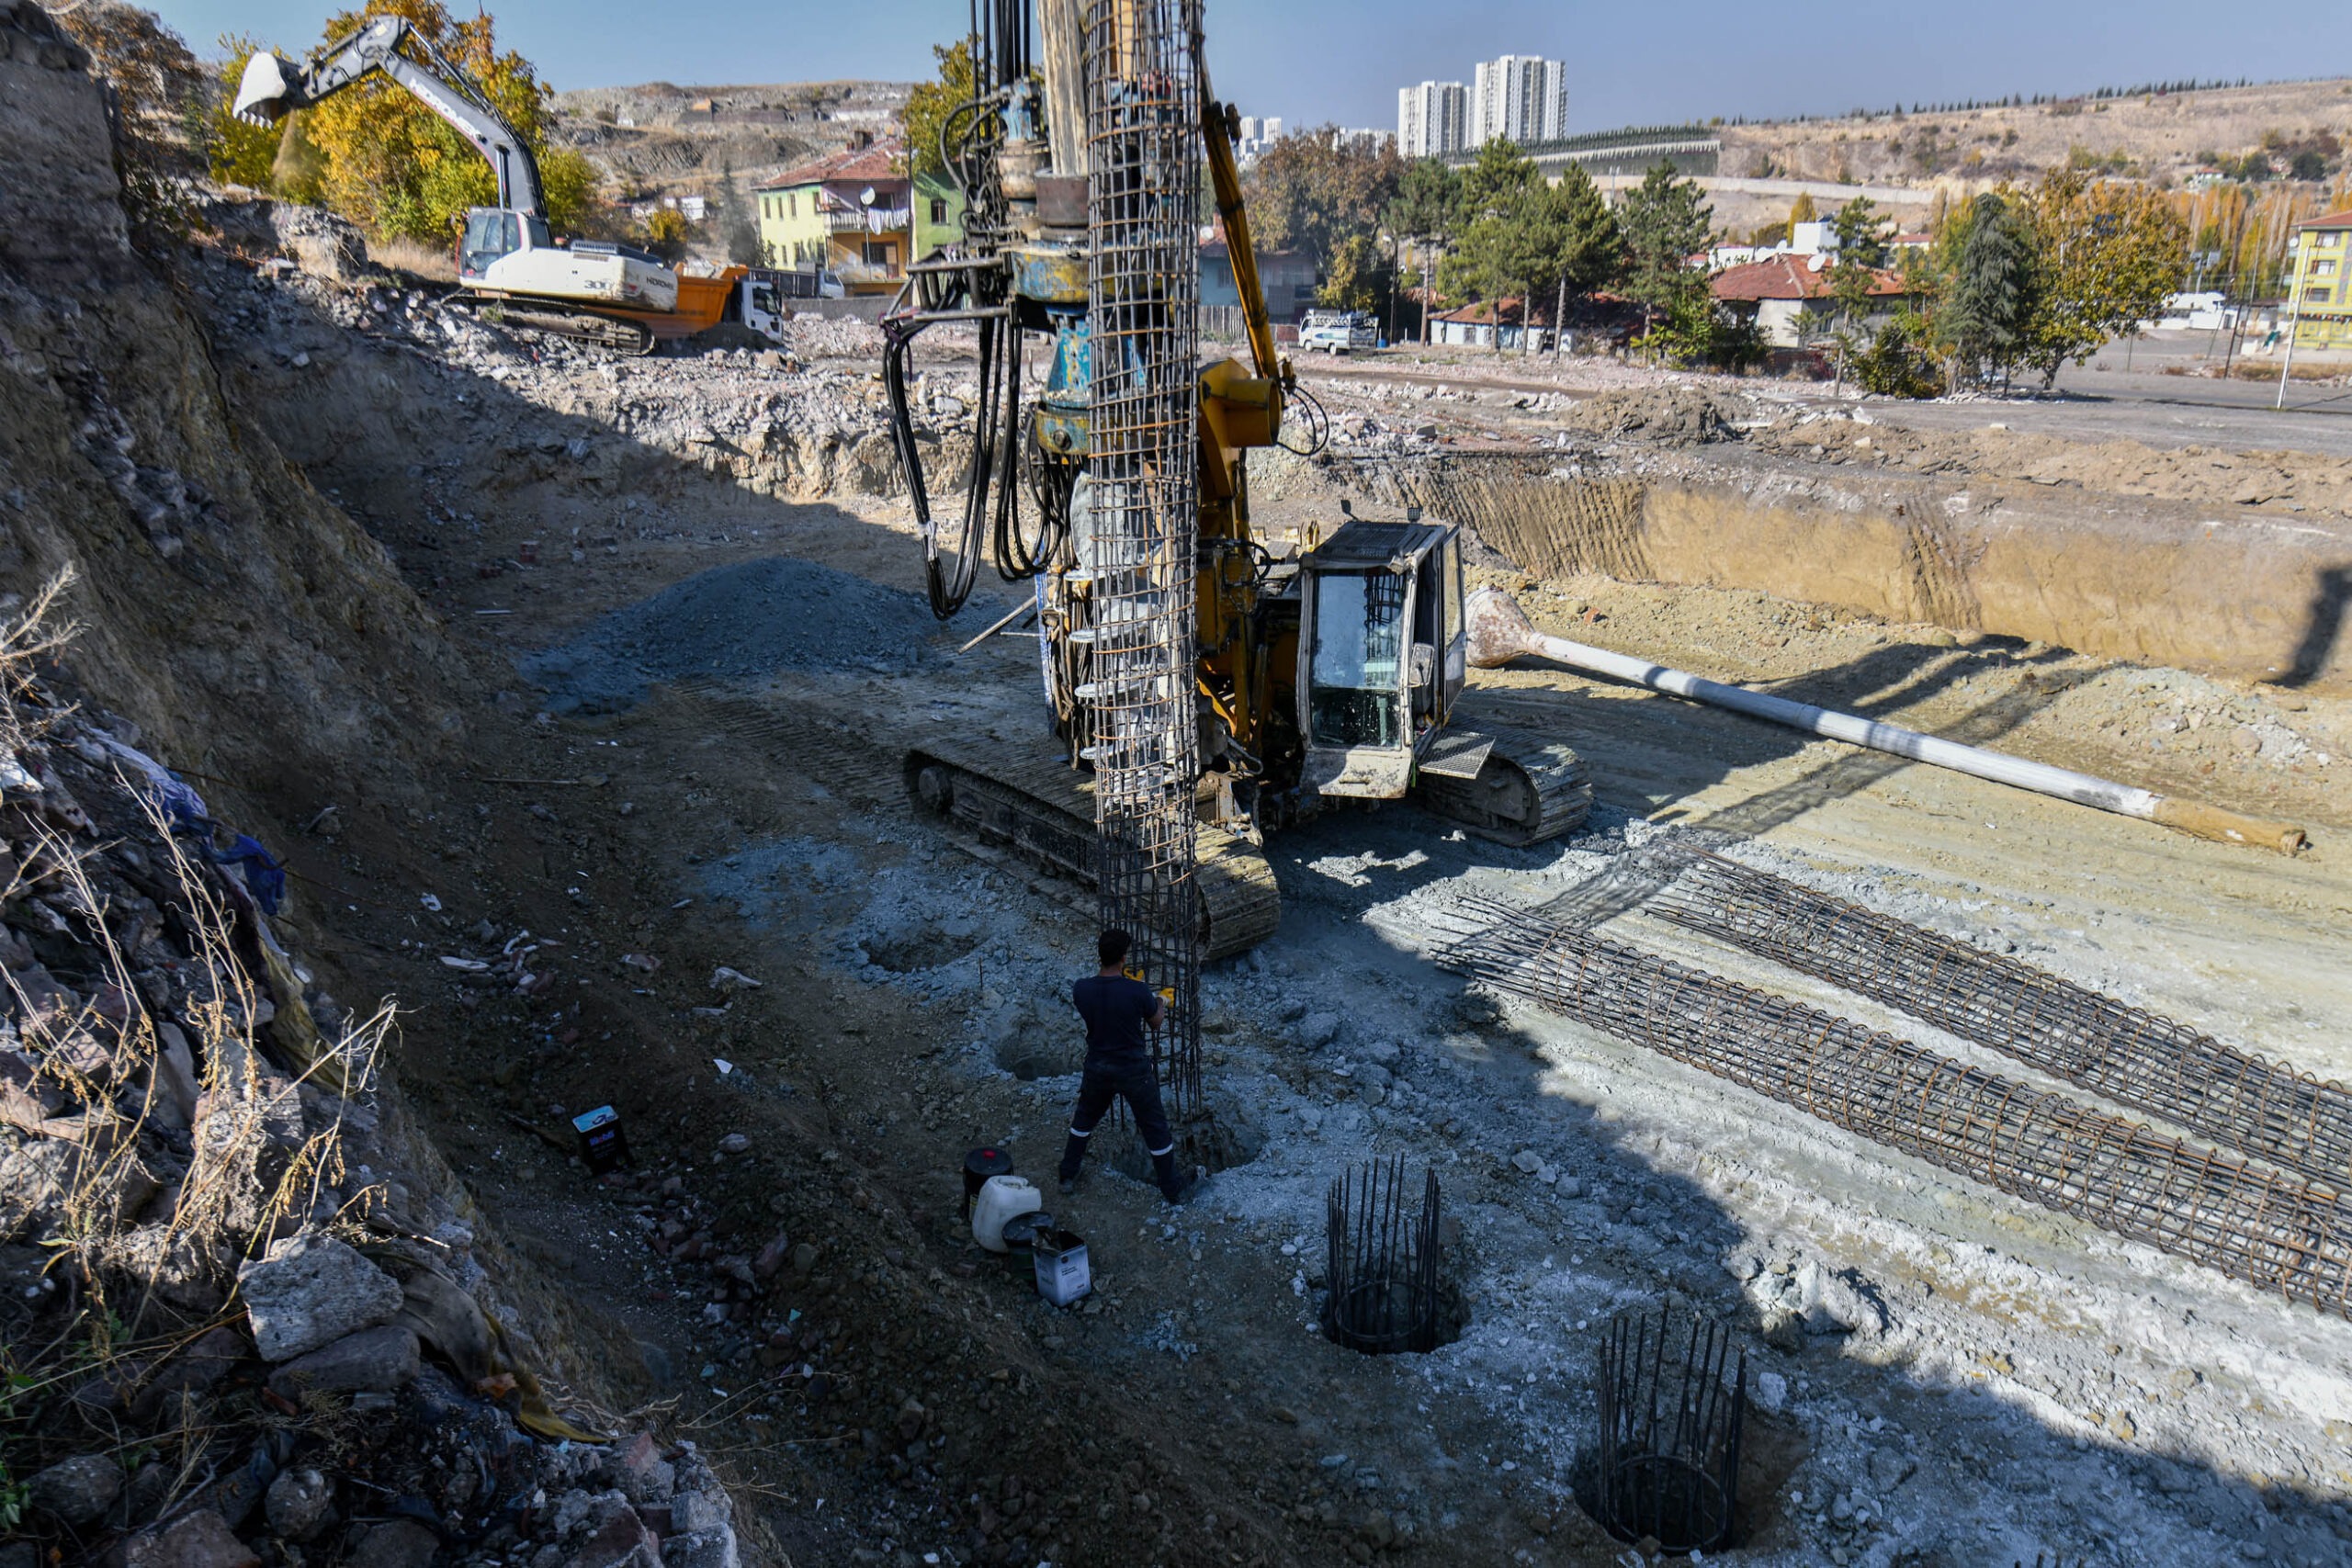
<point x="1143" y="284"/>
<point x="2256" y="1224"/>
<point x="2131" y="1056"/>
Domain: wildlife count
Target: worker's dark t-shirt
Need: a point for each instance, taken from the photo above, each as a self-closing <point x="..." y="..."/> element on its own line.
<point x="1115" y="1010"/>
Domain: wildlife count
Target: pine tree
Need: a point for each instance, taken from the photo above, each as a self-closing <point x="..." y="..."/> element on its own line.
<point x="1664" y="223"/>
<point x="741" y="229"/>
<point x="1988" y="292"/>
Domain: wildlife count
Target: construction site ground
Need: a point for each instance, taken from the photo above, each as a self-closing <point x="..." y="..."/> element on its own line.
<point x="684" y="755"/>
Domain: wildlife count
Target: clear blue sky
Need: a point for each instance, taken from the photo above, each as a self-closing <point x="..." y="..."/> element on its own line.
<point x="1311" y="61"/>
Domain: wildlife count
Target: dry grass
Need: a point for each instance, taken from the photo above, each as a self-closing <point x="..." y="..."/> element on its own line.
<point x="116" y="1287"/>
<point x="418" y="261"/>
<point x="2326" y="371"/>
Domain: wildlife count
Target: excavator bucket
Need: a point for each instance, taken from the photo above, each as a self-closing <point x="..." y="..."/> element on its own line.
<point x="268" y="90"/>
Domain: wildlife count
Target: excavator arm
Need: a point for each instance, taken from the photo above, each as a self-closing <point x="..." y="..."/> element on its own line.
<point x="1224" y="174"/>
<point x="274" y="88"/>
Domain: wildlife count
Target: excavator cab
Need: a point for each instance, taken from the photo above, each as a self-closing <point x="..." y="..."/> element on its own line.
<point x="493" y="233"/>
<point x="1383" y="653"/>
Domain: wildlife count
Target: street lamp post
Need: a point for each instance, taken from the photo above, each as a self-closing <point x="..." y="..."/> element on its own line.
<point x="1396" y="263"/>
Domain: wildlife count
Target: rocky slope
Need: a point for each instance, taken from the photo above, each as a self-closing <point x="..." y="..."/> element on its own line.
<point x="251" y="1313"/>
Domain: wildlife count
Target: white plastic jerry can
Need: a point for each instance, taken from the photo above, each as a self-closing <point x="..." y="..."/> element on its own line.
<point x="1002" y="1197"/>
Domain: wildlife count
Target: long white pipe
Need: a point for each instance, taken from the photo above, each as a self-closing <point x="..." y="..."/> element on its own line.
<point x="1500" y="631"/>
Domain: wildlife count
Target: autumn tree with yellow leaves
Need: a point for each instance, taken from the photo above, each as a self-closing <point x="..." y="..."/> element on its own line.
<point x="393" y="166"/>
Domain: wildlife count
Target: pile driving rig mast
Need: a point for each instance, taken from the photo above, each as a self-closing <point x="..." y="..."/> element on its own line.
<point x="1080" y="181"/>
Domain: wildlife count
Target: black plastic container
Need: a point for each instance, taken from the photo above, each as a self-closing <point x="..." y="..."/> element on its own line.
<point x="979" y="1166"/>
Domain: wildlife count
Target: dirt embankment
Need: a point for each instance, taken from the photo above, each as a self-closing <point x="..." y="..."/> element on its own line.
<point x="2232" y="565"/>
<point x="2152" y="134"/>
<point x="236" y="622"/>
<point x="228" y="607"/>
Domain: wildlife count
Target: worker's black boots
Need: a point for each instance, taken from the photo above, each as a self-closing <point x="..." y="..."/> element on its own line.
<point x="1176" y="1188"/>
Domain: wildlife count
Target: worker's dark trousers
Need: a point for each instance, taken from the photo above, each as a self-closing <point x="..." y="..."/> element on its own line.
<point x="1139" y="1087"/>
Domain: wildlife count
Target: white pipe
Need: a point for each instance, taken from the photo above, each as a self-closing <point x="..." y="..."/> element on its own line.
<point x="1500" y="631"/>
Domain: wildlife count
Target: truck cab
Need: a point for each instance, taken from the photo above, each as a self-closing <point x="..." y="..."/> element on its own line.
<point x="1383" y="653"/>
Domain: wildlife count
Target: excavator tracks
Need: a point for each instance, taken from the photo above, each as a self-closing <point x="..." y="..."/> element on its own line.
<point x="1042" y="810"/>
<point x="633" y="338"/>
<point x="1527" y="790"/>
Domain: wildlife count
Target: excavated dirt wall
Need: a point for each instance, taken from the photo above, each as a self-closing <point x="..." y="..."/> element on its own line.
<point x="2238" y="592"/>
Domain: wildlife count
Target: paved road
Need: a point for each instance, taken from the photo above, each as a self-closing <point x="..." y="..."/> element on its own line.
<point x="2124" y="394"/>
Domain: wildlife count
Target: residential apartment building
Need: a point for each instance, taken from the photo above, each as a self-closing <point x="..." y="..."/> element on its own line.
<point x="1432" y="120"/>
<point x="1521" y="97"/>
<point x="1258" y="133"/>
<point x="856" y="215"/>
<point x="2319" y="288"/>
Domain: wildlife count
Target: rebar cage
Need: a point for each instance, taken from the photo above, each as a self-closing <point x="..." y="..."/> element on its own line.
<point x="2250" y="1222"/>
<point x="1673" y="1400"/>
<point x="1379" y="1263"/>
<point x="1143" y="139"/>
<point x="2131" y="1055"/>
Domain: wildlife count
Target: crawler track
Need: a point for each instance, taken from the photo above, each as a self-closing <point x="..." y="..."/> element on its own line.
<point x="1530" y="789"/>
<point x="1043" y="811"/>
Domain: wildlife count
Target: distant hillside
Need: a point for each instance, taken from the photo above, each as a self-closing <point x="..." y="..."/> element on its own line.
<point x="2166" y="139"/>
<point x="660" y="139"/>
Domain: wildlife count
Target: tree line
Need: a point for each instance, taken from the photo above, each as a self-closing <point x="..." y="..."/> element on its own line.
<point x="1498" y="230"/>
<point x="2018" y="280"/>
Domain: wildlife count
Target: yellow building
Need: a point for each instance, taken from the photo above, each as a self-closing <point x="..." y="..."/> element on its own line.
<point x="858" y="217"/>
<point x="2319" y="282"/>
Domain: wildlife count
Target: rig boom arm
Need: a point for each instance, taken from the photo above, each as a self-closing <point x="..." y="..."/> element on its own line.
<point x="274" y="88"/>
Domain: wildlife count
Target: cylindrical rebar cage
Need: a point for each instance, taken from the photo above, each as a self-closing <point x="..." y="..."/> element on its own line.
<point x="1673" y="1396"/>
<point x="1381" y="1262"/>
<point x="1143" y="139"/>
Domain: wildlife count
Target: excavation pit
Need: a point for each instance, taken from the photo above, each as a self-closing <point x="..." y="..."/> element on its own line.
<point x="1673" y="1392"/>
<point x="1382" y="1257"/>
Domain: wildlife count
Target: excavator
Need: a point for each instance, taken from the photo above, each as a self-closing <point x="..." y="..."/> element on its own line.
<point x="511" y="264"/>
<point x="1325" y="675"/>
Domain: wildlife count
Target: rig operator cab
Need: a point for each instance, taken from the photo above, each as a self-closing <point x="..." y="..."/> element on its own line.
<point x="1383" y="654"/>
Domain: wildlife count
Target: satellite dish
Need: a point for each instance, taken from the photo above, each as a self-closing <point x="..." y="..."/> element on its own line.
<point x="1815" y="262"/>
<point x="865" y="197"/>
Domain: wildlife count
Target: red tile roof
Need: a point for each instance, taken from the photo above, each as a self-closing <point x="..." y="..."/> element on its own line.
<point x="880" y="161"/>
<point x="2328" y="220"/>
<point x="1788" y="277"/>
<point x="1481" y="313"/>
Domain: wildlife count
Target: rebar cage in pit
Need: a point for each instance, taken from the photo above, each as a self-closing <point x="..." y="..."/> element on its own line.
<point x="1143" y="139"/>
<point x="1673" y="1400"/>
<point x="1381" y="1262"/>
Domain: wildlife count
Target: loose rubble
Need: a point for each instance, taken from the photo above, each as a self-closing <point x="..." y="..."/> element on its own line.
<point x="175" y="1097"/>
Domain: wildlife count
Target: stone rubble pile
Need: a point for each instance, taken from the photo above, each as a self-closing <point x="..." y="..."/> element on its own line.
<point x="246" y="1323"/>
<point x="806" y="417"/>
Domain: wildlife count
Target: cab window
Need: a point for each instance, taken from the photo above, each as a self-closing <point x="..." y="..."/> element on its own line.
<point x="490" y="234"/>
<point x="1355" y="672"/>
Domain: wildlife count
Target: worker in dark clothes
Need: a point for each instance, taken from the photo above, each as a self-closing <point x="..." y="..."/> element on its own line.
<point x="1118" y="1065"/>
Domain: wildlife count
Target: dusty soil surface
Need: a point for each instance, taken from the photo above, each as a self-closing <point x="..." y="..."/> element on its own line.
<point x="1977" y="1381"/>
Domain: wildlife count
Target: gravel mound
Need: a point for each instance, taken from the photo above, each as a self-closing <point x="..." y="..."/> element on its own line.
<point x="1682" y="415"/>
<point x="735" y="622"/>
